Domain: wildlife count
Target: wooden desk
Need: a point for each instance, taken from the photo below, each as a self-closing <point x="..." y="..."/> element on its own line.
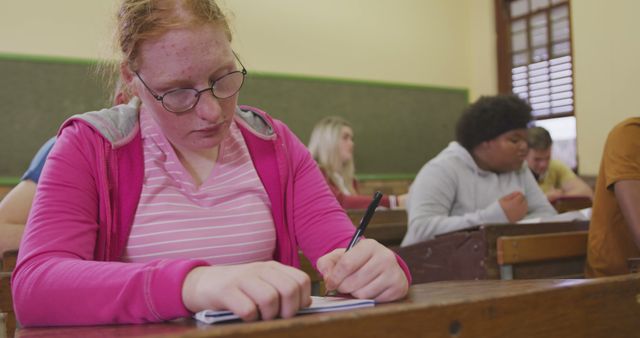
<point x="517" y="251"/>
<point x="4" y="190"/>
<point x="389" y="186"/>
<point x="565" y="204"/>
<point x="7" y="317"/>
<point x="606" y="307"/>
<point x="473" y="254"/>
<point x="9" y="259"/>
<point x="634" y="264"/>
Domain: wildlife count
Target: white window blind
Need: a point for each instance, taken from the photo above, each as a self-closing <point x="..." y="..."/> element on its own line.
<point x="542" y="67"/>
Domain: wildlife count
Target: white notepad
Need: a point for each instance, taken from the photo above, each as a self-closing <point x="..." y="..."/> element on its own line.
<point x="318" y="304"/>
<point x="569" y="216"/>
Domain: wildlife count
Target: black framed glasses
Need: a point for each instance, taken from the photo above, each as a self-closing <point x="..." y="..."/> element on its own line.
<point x="180" y="100"/>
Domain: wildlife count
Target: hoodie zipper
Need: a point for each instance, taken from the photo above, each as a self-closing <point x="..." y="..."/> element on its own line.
<point x="107" y="198"/>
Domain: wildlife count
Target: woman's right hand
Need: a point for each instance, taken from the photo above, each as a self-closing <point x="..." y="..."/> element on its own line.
<point x="252" y="291"/>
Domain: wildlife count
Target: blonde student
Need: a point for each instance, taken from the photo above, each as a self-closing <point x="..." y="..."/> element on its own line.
<point x="331" y="145"/>
<point x="614" y="231"/>
<point x="182" y="200"/>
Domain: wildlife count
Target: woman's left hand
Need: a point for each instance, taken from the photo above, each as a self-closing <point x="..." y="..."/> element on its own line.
<point x="368" y="270"/>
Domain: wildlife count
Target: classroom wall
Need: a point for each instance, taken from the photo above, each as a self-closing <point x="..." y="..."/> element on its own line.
<point x="426" y="42"/>
<point x="359" y="41"/>
<point x="401" y="41"/>
<point x="425" y="120"/>
<point x="445" y="43"/>
<point x="69" y="28"/>
<point x="607" y="71"/>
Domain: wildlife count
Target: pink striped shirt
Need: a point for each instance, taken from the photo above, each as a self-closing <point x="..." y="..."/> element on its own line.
<point x="227" y="220"/>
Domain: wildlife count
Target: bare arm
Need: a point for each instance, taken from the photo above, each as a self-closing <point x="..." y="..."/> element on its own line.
<point x="14" y="210"/>
<point x="576" y="187"/>
<point x="628" y="194"/>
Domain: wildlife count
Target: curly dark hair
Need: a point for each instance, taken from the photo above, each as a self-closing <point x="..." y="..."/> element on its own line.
<point x="489" y="117"/>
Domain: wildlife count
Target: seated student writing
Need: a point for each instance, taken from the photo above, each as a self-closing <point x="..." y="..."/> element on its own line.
<point x="331" y="145"/>
<point x="15" y="206"/>
<point x="479" y="178"/>
<point x="555" y="179"/>
<point x="182" y="200"/>
<point x="614" y="230"/>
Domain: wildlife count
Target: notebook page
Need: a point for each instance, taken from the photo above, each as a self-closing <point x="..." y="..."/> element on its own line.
<point x="318" y="304"/>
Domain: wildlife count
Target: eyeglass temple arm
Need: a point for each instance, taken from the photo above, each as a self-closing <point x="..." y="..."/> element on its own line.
<point x="244" y="70"/>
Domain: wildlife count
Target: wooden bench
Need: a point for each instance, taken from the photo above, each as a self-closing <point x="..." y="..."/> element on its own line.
<point x="8" y="319"/>
<point x="4" y="190"/>
<point x="513" y="251"/>
<point x="473" y="254"/>
<point x="565" y="204"/>
<point x="7" y="316"/>
<point x="9" y="259"/>
<point x="388" y="184"/>
<point x="387" y="226"/>
<point x="634" y="264"/>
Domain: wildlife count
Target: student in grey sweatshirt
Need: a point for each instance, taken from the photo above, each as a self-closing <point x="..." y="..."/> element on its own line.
<point x="481" y="177"/>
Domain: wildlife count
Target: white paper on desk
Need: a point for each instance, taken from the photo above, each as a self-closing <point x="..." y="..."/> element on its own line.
<point x="318" y="304"/>
<point x="576" y="215"/>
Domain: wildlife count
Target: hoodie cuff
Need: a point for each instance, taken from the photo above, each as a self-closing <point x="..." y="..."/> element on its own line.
<point x="494" y="214"/>
<point x="165" y="288"/>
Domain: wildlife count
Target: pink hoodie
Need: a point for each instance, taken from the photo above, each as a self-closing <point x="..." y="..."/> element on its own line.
<point x="69" y="270"/>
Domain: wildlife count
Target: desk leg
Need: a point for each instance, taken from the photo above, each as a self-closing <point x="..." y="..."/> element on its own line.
<point x="506" y="272"/>
<point x="3" y="325"/>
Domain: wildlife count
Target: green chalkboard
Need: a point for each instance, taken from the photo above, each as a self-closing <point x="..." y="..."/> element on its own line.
<point x="36" y="96"/>
<point x="397" y="127"/>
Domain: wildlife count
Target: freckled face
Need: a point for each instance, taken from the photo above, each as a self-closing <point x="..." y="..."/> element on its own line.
<point x="345" y="144"/>
<point x="188" y="58"/>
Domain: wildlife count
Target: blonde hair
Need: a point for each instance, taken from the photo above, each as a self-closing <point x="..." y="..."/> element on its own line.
<point x="324" y="147"/>
<point x="141" y="20"/>
<point x="539" y="138"/>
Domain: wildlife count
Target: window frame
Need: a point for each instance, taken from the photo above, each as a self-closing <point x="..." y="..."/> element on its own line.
<point x="504" y="50"/>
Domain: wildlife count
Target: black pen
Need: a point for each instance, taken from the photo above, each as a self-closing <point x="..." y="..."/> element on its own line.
<point x="365" y="219"/>
<point x="360" y="230"/>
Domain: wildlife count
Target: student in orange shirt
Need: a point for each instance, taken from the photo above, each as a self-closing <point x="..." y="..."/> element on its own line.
<point x="614" y="231"/>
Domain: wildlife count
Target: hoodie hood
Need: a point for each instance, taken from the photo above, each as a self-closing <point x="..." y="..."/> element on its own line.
<point x="457" y="151"/>
<point x="119" y="124"/>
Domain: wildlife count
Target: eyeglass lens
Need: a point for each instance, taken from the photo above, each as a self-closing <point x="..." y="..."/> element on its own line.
<point x="180" y="100"/>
